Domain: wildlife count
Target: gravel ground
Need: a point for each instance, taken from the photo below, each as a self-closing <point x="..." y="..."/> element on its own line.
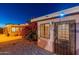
<point x="21" y="47"/>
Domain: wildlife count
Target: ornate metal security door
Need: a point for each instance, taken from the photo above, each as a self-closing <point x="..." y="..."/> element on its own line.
<point x="65" y="36"/>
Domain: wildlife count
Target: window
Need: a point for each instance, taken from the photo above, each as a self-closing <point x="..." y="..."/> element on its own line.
<point x="44" y="30"/>
<point x="17" y="29"/>
<point x="13" y="29"/>
<point x="47" y="30"/>
<point x="63" y="31"/>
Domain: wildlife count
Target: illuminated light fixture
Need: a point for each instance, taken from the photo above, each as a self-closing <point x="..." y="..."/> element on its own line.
<point x="62" y="14"/>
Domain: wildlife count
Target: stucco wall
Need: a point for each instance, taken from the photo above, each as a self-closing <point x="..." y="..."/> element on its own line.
<point x="48" y="43"/>
<point x="20" y="31"/>
<point x="77" y="38"/>
<point x="44" y="42"/>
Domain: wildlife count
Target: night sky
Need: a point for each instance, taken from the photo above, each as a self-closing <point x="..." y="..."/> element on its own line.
<point x="21" y="13"/>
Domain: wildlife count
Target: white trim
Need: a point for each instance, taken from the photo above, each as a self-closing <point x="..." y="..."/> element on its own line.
<point x="66" y="11"/>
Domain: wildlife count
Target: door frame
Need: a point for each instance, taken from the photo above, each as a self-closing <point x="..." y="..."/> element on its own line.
<point x="55" y="29"/>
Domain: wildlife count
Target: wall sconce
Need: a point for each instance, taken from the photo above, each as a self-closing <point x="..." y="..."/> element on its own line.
<point x="62" y="14"/>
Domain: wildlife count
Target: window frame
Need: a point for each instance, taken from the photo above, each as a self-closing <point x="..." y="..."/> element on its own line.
<point x="44" y="31"/>
<point x="13" y="30"/>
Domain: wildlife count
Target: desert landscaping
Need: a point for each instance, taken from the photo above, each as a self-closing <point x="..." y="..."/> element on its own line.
<point x="15" y="45"/>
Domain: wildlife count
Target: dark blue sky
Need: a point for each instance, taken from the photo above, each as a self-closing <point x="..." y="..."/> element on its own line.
<point x="20" y="13"/>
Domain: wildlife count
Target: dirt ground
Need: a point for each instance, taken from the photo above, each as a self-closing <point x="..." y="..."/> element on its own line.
<point x="5" y="38"/>
<point x="19" y="46"/>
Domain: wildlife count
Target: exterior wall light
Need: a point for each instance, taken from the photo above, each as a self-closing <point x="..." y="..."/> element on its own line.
<point x="62" y="14"/>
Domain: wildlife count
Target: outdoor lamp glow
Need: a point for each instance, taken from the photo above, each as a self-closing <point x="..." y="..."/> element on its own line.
<point x="62" y="14"/>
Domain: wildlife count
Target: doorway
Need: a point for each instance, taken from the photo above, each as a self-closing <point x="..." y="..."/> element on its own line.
<point x="65" y="38"/>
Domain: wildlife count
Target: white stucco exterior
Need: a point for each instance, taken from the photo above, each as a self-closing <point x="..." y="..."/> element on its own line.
<point x="49" y="42"/>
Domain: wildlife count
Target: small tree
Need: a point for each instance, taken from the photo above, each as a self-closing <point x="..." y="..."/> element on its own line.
<point x="32" y="36"/>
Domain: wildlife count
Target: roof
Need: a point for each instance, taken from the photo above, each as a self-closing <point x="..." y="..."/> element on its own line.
<point x="17" y="25"/>
<point x="55" y="14"/>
